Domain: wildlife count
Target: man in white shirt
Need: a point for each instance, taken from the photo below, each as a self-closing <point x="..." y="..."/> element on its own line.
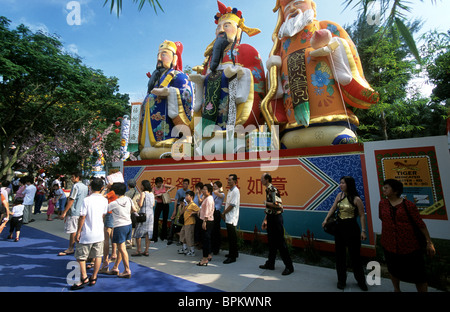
<point x="90" y="235"/>
<point x="28" y="200"/>
<point x="231" y="216"/>
<point x="71" y="213"/>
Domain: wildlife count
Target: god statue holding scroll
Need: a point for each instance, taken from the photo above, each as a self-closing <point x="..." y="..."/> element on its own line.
<point x="314" y="74"/>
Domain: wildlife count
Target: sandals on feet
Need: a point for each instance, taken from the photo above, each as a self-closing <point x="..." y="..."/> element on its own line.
<point x="104" y="269"/>
<point x="124" y="275"/>
<point x="113" y="272"/>
<point x="92" y="281"/>
<point x="66" y="253"/>
<point x="84" y="281"/>
<point x="202" y="264"/>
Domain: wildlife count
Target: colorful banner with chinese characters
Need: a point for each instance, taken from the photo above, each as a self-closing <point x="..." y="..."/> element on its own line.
<point x="418" y="170"/>
<point x="302" y="185"/>
<point x="308" y="185"/>
<point x="134" y="127"/>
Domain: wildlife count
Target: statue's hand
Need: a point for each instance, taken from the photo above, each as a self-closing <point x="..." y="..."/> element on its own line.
<point x="161" y="92"/>
<point x="230" y="71"/>
<point x="197" y="78"/>
<point x="274" y="60"/>
<point x="333" y="45"/>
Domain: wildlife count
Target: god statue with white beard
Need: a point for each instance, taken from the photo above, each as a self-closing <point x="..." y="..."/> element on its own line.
<point x="314" y="73"/>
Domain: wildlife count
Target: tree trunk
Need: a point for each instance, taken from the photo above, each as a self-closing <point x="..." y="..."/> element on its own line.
<point x="384" y="125"/>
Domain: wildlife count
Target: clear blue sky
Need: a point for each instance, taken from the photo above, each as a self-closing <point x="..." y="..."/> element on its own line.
<point x="126" y="47"/>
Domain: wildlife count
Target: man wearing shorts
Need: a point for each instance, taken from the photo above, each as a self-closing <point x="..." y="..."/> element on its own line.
<point x="90" y="234"/>
<point x="71" y="213"/>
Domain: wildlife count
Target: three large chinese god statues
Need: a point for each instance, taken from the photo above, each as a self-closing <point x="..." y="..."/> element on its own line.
<point x="313" y="75"/>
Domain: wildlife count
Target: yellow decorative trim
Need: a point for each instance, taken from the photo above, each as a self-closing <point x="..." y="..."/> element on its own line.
<point x="355" y="100"/>
<point x="165" y="143"/>
<point x="151" y="134"/>
<point x="353" y="67"/>
<point x="167" y="80"/>
<point x="326" y="119"/>
<point x="181" y="118"/>
<point x="144" y="125"/>
<point x="266" y="108"/>
<point x="249" y="31"/>
<point x="168" y="45"/>
<point x="230" y="16"/>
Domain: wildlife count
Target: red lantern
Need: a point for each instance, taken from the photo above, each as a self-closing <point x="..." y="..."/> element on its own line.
<point x="117" y="123"/>
<point x="117" y="131"/>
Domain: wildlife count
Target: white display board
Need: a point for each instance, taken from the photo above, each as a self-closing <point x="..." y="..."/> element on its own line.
<point x="439" y="227"/>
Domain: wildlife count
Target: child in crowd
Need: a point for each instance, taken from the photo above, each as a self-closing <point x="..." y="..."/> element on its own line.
<point x="187" y="231"/>
<point x="51" y="204"/>
<point x="60" y="198"/>
<point x="17" y="218"/>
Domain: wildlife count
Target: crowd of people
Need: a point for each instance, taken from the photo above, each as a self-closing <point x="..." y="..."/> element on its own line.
<point x="103" y="217"/>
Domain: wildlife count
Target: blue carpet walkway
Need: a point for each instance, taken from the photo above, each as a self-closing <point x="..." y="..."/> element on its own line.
<point x="32" y="265"/>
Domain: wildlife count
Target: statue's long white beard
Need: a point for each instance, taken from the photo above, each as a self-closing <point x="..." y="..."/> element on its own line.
<point x="293" y="26"/>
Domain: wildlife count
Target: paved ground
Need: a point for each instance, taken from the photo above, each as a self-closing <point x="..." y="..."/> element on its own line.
<point x="241" y="276"/>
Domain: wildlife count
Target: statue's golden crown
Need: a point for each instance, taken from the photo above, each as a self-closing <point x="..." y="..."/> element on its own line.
<point x="168" y="45"/>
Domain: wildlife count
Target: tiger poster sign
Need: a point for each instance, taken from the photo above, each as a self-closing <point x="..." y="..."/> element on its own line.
<point x="418" y="170"/>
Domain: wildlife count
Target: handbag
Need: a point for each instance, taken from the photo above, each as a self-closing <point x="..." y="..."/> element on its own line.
<point x="166" y="198"/>
<point x="331" y="224"/>
<point x="141" y="217"/>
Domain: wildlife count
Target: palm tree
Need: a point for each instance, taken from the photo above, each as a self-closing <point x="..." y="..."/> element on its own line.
<point x="118" y="5"/>
<point x="397" y="15"/>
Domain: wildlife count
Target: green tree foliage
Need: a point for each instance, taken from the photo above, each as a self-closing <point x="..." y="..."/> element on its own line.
<point x="118" y="4"/>
<point x="383" y="56"/>
<point x="403" y="112"/>
<point x="436" y="53"/>
<point x="46" y="92"/>
<point x="395" y="12"/>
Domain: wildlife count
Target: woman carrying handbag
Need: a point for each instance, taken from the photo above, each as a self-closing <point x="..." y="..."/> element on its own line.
<point x="403" y="252"/>
<point x="145" y="229"/>
<point x="347" y="234"/>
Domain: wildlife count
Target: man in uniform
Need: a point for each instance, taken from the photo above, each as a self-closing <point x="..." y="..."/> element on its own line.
<point x="273" y="223"/>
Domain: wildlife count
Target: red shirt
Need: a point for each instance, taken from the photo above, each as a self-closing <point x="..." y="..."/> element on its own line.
<point x="111" y="196"/>
<point x="397" y="232"/>
<point x="40" y="189"/>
